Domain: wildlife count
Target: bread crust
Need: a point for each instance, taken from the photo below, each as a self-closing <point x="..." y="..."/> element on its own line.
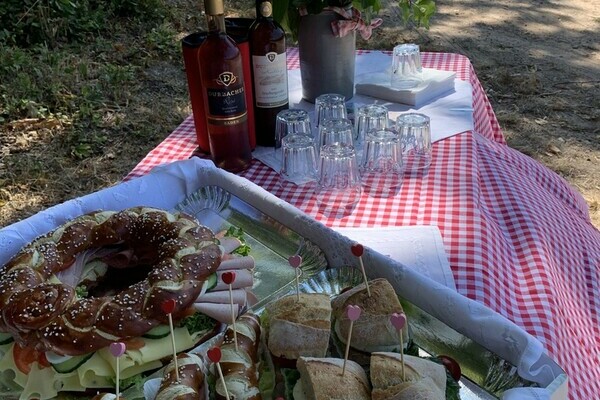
<point x="49" y="316"/>
<point x="373" y="331"/>
<point x="299" y="328"/>
<point x="322" y="379"/>
<point x="424" y="379"/>
<point x="191" y="384"/>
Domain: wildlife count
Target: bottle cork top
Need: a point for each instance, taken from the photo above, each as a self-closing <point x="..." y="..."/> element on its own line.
<point x="214" y="7"/>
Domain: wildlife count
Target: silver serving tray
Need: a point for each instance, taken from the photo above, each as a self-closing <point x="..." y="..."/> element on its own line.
<point x="485" y="375"/>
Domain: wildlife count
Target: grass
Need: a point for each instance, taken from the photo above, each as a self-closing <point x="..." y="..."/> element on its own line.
<point x="78" y="112"/>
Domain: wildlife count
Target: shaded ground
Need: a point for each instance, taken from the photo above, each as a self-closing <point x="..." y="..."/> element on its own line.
<point x="538" y="60"/>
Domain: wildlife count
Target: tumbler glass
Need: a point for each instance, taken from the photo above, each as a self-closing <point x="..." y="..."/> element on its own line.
<point x="415" y="134"/>
<point x="338" y="188"/>
<point x="330" y="106"/>
<point x="289" y="122"/>
<point x="299" y="162"/>
<point x="335" y="131"/>
<point x="406" y="66"/>
<point x="381" y="164"/>
<point x="368" y="117"/>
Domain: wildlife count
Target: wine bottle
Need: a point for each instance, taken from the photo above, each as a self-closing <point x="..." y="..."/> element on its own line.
<point x="221" y="73"/>
<point x="269" y="72"/>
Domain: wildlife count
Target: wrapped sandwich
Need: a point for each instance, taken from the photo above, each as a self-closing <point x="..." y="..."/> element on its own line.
<point x="373" y="331"/>
<point x="321" y="379"/>
<point x="299" y="328"/>
<point x="425" y="379"/>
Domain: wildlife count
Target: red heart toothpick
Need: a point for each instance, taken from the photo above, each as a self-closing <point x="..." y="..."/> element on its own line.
<point x="214" y="355"/>
<point x="168" y="306"/>
<point x="398" y="321"/>
<point x="117" y="349"/>
<point x="357" y="249"/>
<point x="295" y="261"/>
<point x="228" y="278"/>
<point x="353" y="313"/>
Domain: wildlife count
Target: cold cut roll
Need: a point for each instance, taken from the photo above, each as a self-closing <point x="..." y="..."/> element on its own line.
<point x="191" y="384"/>
<point x="240" y="368"/>
<point x="425" y="379"/>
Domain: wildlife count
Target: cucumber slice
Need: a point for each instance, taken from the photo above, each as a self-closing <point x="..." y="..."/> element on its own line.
<point x="72" y="364"/>
<point x="158" y="332"/>
<point x="212" y="281"/>
<point x="6" y="338"/>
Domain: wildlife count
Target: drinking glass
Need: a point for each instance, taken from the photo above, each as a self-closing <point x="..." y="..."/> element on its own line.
<point x="338" y="188"/>
<point x="415" y="134"/>
<point x="291" y="121"/>
<point x="406" y="66"/>
<point x="381" y="163"/>
<point x="335" y="131"/>
<point x="299" y="162"/>
<point x="330" y="106"/>
<point x="368" y="117"/>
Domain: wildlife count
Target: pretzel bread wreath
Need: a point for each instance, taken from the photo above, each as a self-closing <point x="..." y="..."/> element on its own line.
<point x="40" y="311"/>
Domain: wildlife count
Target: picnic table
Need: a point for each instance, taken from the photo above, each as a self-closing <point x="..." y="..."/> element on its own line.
<point x="518" y="238"/>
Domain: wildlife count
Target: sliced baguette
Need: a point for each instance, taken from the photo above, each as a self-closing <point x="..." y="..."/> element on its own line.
<point x="424" y="379"/>
<point x="321" y="379"/>
<point x="299" y="328"/>
<point x="373" y="331"/>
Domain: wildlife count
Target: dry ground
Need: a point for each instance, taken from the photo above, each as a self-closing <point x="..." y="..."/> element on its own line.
<point x="538" y="60"/>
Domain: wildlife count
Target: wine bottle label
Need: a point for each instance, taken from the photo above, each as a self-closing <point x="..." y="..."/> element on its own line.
<point x="270" y="80"/>
<point x="228" y="100"/>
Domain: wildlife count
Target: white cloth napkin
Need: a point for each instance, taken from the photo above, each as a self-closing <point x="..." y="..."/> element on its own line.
<point x="435" y="83"/>
<point x="419" y="247"/>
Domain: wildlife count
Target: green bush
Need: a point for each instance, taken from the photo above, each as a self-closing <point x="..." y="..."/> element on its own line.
<point x="28" y="22"/>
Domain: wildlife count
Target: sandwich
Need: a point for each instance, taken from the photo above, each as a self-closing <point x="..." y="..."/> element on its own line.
<point x="191" y="384"/>
<point x="373" y="331"/>
<point x="299" y="328"/>
<point x="321" y="379"/>
<point x="425" y="379"/>
<point x="240" y="367"/>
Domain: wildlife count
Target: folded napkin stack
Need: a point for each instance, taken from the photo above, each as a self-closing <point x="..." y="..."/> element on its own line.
<point x="434" y="84"/>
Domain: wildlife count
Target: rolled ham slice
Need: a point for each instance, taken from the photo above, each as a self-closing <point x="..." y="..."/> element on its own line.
<point x="240" y="296"/>
<point x="229" y="244"/>
<point x="220" y="312"/>
<point x="243" y="279"/>
<point x="234" y="263"/>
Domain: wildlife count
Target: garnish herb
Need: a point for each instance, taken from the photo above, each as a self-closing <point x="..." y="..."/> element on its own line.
<point x="238" y="233"/>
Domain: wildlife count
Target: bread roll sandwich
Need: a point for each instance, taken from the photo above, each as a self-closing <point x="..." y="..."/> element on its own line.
<point x="373" y="331"/>
<point x="240" y="367"/>
<point x="321" y="379"/>
<point x="191" y="384"/>
<point x="425" y="380"/>
<point x="299" y="328"/>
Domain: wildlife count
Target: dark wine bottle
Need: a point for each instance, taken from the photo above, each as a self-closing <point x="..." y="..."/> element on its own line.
<point x="269" y="72"/>
<point x="221" y="73"/>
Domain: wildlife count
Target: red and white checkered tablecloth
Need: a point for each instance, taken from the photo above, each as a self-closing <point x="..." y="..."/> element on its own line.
<point x="518" y="237"/>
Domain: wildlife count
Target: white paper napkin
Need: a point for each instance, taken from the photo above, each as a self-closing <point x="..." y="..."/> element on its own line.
<point x="418" y="247"/>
